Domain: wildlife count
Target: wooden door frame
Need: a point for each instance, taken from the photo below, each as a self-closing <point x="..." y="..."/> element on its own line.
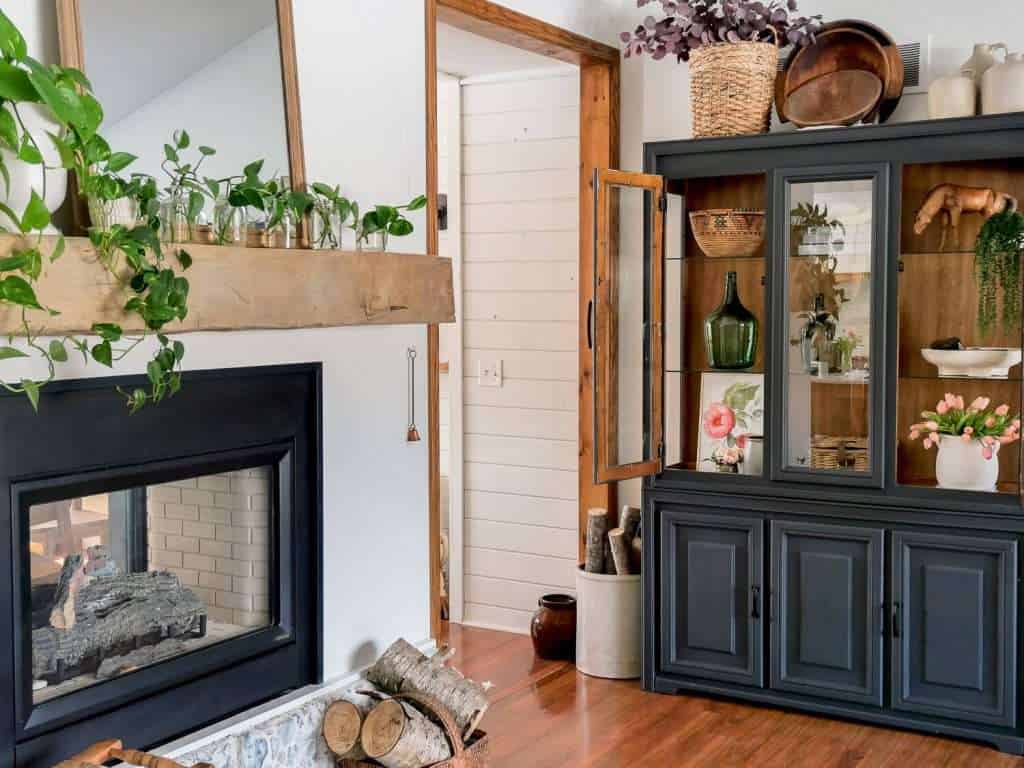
<point x="599" y="66"/>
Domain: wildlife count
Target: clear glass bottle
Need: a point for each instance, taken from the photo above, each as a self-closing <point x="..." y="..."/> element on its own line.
<point x="730" y="332"/>
<point x="230" y="224"/>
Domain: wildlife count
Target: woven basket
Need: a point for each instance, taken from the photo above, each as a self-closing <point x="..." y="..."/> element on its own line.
<point x="728" y="232"/>
<point x="732" y="86"/>
<point x="839" y="453"/>
<point x="471" y="754"/>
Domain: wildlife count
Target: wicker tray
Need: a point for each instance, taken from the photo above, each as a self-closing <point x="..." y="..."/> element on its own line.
<point x="470" y="754"/>
<point x="839" y="453"/>
<point x="728" y="232"/>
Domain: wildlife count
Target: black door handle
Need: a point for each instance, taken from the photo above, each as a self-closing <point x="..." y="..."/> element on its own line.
<point x="590" y="324"/>
<point x="755" y="611"/>
<point x="896" y="620"/>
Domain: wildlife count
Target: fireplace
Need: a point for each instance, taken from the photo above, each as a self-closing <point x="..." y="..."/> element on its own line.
<point x="165" y="565"/>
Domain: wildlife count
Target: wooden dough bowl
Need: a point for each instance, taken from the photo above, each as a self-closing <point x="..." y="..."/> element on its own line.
<point x="837" y="98"/>
<point x="840" y="46"/>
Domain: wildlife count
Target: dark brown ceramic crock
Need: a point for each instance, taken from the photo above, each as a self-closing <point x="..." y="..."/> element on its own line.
<point x="553" y="628"/>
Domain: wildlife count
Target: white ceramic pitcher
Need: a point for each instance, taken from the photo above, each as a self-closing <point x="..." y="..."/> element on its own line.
<point x="1002" y="87"/>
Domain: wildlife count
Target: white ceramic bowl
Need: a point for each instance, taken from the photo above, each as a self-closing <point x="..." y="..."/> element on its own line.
<point x="974" y="362"/>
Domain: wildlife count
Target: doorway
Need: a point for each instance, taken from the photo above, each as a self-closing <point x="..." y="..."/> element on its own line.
<point x="522" y="113"/>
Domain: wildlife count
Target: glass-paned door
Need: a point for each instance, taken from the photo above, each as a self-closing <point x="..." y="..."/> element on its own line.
<point x="627" y="328"/>
<point x="830" y="238"/>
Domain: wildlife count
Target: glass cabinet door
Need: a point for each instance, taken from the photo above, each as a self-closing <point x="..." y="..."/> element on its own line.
<point x="829" y="324"/>
<point x="627" y="327"/>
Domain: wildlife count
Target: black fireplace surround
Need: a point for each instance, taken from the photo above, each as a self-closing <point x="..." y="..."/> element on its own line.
<point x="84" y="442"/>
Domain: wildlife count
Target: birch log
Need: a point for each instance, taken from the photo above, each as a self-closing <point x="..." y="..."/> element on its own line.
<point x="629" y="522"/>
<point x="597" y="528"/>
<point x="403" y="669"/>
<point x="343" y="722"/>
<point x="397" y="735"/>
<point x="620" y="551"/>
<point x="636" y="555"/>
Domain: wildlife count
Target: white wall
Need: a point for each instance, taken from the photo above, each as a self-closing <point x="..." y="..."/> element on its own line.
<point x="241" y="88"/>
<point x="520" y="150"/>
<point x="375" y="499"/>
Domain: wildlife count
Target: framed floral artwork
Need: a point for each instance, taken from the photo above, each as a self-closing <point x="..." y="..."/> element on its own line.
<point x="731" y="429"/>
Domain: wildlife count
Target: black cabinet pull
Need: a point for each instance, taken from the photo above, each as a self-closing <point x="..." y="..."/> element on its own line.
<point x="755" y="611"/>
<point x="896" y="620"/>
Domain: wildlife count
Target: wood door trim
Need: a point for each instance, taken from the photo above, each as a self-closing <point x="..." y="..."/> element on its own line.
<point x="504" y="25"/>
<point x="600" y="66"/>
<point x="433" y="331"/>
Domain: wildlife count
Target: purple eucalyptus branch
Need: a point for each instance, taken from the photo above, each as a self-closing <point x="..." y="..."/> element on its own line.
<point x="689" y="24"/>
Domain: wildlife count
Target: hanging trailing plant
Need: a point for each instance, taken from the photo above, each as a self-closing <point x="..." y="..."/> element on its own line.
<point x="997" y="254"/>
<point x="154" y="291"/>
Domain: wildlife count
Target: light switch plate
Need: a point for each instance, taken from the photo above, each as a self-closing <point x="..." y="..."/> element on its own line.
<point x="490" y="374"/>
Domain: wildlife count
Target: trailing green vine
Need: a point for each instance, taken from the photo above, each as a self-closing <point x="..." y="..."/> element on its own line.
<point x="154" y="290"/>
<point x="997" y="256"/>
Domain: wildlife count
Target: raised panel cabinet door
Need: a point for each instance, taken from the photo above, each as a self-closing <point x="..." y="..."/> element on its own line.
<point x="827" y="583"/>
<point x="954" y="626"/>
<point x="711" y="597"/>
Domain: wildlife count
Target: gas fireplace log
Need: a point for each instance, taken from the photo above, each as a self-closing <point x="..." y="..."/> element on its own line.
<point x="597" y="527"/>
<point x="343" y="722"/>
<point x="397" y="735"/>
<point x="620" y="551"/>
<point x="143" y="657"/>
<point x="114" y="615"/>
<point x="403" y="669"/>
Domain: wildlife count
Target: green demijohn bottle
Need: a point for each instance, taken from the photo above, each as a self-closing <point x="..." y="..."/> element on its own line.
<point x="730" y="332"/>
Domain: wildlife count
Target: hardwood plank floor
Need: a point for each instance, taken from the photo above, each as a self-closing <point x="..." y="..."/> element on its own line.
<point x="546" y="715"/>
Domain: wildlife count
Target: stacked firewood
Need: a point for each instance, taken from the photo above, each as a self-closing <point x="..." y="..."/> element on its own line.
<point x="616" y="551"/>
<point x="385" y="722"/>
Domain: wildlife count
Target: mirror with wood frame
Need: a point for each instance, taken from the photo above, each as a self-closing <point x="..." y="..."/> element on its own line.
<point x="223" y="72"/>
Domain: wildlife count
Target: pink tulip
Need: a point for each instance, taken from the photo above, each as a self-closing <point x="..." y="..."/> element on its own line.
<point x="1008" y="431"/>
<point x="987" y="453"/>
<point x="950" y="399"/>
<point x="914" y="434"/>
<point x="990" y="422"/>
<point x="942" y="408"/>
<point x="927" y="443"/>
<point x="719" y="421"/>
<point x="959" y="405"/>
<point x="1007" y="439"/>
<point x="1002" y="410"/>
<point x="933" y="426"/>
<point x="1016" y="423"/>
<point x="965" y="438"/>
<point x="980" y="403"/>
<point x="968" y="430"/>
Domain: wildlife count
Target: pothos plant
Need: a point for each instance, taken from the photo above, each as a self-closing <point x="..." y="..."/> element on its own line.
<point x="997" y="254"/>
<point x="387" y="220"/>
<point x="154" y="291"/>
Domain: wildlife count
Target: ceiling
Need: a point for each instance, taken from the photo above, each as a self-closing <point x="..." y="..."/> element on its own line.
<point x="137" y="49"/>
<point x="464" y="55"/>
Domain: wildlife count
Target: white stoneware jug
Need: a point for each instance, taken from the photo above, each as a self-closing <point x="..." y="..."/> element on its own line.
<point x="1002" y="88"/>
<point x="953" y="96"/>
<point x="982" y="60"/>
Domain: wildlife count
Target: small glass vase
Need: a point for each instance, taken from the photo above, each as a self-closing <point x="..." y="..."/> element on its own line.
<point x="284" y="234"/>
<point x="730" y="332"/>
<point x="375" y="242"/>
<point x="325" y="230"/>
<point x="230" y="224"/>
<point x="174" y="225"/>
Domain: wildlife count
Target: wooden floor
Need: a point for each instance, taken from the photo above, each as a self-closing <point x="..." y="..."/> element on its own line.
<point x="546" y="714"/>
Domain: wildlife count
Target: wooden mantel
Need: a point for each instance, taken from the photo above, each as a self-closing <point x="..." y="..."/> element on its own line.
<point x="234" y="288"/>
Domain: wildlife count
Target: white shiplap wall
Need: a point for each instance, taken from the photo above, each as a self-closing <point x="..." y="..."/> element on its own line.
<point x="520" y="210"/>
